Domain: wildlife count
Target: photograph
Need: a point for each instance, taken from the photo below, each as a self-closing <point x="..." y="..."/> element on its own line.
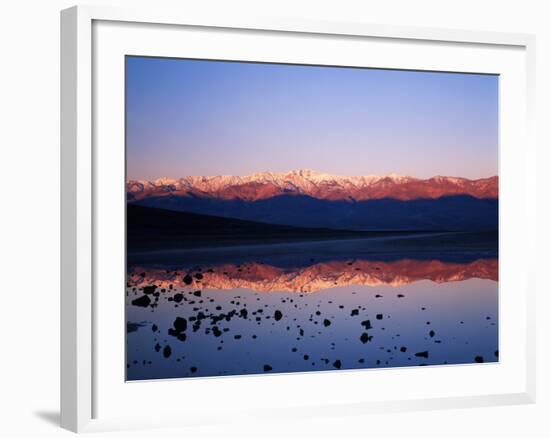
<point x="291" y="218"/>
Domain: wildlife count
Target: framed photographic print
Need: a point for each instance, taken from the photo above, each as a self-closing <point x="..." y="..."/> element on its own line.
<point x="291" y="214"/>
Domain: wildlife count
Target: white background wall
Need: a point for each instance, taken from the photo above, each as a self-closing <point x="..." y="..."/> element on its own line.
<point x="29" y="218"/>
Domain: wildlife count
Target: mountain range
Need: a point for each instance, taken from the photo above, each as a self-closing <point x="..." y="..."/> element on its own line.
<point x="305" y="198"/>
<point x="317" y="185"/>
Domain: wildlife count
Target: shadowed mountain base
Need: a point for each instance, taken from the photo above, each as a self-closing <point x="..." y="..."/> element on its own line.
<point x="151" y="229"/>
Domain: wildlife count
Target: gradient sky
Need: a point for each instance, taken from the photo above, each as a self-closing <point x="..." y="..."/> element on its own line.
<point x="190" y="117"/>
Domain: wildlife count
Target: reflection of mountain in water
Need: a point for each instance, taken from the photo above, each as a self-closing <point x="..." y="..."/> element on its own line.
<point x="266" y="278"/>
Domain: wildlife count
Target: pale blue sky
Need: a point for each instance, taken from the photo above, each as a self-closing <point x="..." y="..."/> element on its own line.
<point x="192" y="117"/>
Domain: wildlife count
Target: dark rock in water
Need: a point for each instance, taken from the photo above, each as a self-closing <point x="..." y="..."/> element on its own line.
<point x="378" y="296"/>
<point x="361" y="360"/>
<point x="306" y="357"/>
<point x="167" y="352"/>
<point x="496" y="353"/>
<point x="188" y="279"/>
<point x="267" y="368"/>
<point x="365" y="338"/>
<point x="197" y="293"/>
<point x="180" y="324"/>
<point x="237" y="336"/>
<point x="479" y="359"/>
<point x="326" y="322"/>
<point x="149" y="289"/>
<point x="403" y="349"/>
<point x="423" y="354"/>
<point x="193" y="369"/>
<point x="337" y="364"/>
<point x="178" y="297"/>
<point x="216" y="331"/>
<point x="400" y="296"/>
<point x="154" y="327"/>
<point x="142" y="301"/>
<point x="277" y="315"/>
<point x="366" y="324"/>
<point x="198" y="276"/>
<point x="379" y="316"/>
<point x="432" y="333"/>
<point x="243" y="313"/>
<point x="157" y="347"/>
<point x="355" y="312"/>
<point x="294" y="349"/>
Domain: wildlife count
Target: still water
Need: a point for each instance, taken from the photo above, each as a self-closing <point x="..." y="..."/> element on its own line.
<point x="271" y="310"/>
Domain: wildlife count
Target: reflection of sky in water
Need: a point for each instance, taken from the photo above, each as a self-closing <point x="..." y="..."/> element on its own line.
<point x="454" y="320"/>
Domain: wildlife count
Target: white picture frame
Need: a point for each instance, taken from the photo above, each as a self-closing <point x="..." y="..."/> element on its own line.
<point x="83" y="189"/>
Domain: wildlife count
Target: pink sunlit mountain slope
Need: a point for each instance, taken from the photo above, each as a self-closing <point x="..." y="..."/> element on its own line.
<point x="314" y="184"/>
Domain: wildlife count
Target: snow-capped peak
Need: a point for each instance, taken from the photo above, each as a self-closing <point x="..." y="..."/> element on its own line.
<point x="315" y="184"/>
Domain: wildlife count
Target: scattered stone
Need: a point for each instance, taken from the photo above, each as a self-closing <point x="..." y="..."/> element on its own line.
<point x="326" y="322"/>
<point x="403" y="349"/>
<point x="366" y="324"/>
<point x="167" y="352"/>
<point x="337" y="364"/>
<point x="423" y="354"/>
<point x="278" y="315"/>
<point x="267" y="368"/>
<point x="379" y="316"/>
<point x="432" y="333"/>
<point x="188" y="279"/>
<point x="178" y="297"/>
<point x="479" y="359"/>
<point x="180" y="324"/>
<point x="216" y="331"/>
<point x="142" y="301"/>
<point x="149" y="289"/>
<point x="365" y="338"/>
